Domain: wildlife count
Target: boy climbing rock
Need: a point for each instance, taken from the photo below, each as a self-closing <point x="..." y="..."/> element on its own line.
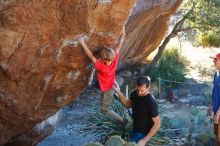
<point x="106" y="67"/>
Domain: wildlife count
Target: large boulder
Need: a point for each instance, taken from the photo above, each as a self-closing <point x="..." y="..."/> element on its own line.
<point x="42" y="68"/>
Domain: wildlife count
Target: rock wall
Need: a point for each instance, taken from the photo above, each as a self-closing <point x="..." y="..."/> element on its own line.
<point x="146" y="28"/>
<point x="42" y="68"/>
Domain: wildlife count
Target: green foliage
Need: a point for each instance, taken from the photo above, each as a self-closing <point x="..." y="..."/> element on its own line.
<point x="205" y="16"/>
<point x="204" y="71"/>
<point x="168" y="123"/>
<point x="199" y="120"/>
<point x="194" y="111"/>
<point x="171" y="66"/>
<point x="208" y="93"/>
<point x="103" y="126"/>
<point x="208" y="39"/>
<point x="204" y="138"/>
<point x="200" y="123"/>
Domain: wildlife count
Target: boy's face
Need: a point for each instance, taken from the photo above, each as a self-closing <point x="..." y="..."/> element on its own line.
<point x="107" y="61"/>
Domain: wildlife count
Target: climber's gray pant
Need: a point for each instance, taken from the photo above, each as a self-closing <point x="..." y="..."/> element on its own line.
<point x="106" y="100"/>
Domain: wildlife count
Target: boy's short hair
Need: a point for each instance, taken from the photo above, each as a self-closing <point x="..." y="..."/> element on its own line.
<point x="142" y="80"/>
<point x="107" y="53"/>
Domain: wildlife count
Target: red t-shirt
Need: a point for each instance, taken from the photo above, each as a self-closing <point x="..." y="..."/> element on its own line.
<point x="106" y="73"/>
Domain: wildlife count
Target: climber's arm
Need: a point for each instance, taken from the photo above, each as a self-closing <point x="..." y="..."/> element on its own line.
<point x="121" y="40"/>
<point x="86" y="49"/>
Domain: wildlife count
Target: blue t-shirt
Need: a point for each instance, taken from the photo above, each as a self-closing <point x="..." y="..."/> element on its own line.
<point x="216" y="92"/>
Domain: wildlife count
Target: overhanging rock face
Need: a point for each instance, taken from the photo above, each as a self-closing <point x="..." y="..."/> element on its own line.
<point x="42" y="69"/>
<point x="146" y="28"/>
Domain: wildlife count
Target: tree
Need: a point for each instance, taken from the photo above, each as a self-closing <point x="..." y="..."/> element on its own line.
<point x="205" y="16"/>
<point x="198" y="15"/>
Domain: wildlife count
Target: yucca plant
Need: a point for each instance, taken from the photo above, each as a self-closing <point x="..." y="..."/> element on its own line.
<point x="103" y="127"/>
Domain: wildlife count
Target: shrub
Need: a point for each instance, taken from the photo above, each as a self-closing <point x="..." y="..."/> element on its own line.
<point x="171" y="66"/>
<point x="201" y="124"/>
<point x="209" y="39"/>
<point x="204" y="71"/>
